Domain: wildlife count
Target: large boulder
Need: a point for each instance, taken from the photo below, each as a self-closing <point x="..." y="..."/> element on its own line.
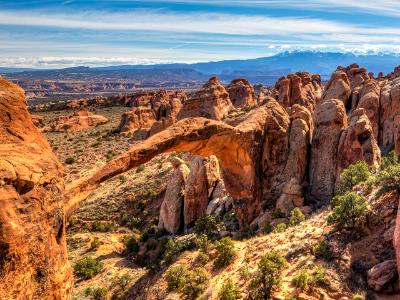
<point x="331" y="120"/>
<point x="33" y="253"/>
<point x="211" y="102"/>
<point x="172" y="207"/>
<point x="77" y="121"/>
<point x="241" y="93"/>
<point x="382" y="276"/>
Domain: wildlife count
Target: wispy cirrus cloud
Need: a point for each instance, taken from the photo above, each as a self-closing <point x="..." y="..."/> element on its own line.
<point x="381" y="7"/>
<point x="189" y="22"/>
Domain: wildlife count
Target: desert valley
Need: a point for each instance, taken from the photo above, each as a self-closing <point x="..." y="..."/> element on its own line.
<point x="287" y="191"/>
<point x="199" y="149"/>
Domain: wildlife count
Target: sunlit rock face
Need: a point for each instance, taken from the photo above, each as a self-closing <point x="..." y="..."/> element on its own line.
<point x="33" y="253"/>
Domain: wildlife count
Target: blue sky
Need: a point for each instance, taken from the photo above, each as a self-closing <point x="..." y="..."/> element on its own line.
<point x="68" y="32"/>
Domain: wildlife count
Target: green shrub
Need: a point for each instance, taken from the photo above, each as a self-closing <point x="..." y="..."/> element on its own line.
<point x="140" y="169"/>
<point x="302" y="279"/>
<point x="95" y="243"/>
<point x="268" y="275"/>
<point x="267" y="228"/>
<point x="305" y="278"/>
<point x="225" y="252"/>
<point x="135" y="223"/>
<point x="110" y="154"/>
<point x="318" y="275"/>
<point x="132" y="244"/>
<point x="69" y="160"/>
<point x="323" y="250"/>
<point x="202" y="243"/>
<point x="279" y="228"/>
<point x="174" y="248"/>
<point x="194" y="283"/>
<point x="122" y="178"/>
<point x="96" y="293"/>
<point x="389" y="160"/>
<point x="228" y="291"/>
<point x="207" y="225"/>
<point x="296" y="217"/>
<point x="246" y="232"/>
<point x="388" y="179"/>
<point x="102" y="226"/>
<point x="87" y="268"/>
<point x="349" y="210"/>
<point x="175" y="276"/>
<point x="202" y="259"/>
<point x="353" y="175"/>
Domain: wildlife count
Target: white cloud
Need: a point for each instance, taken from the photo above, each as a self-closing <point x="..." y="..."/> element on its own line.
<point x="380" y="7"/>
<point x="189" y="22"/>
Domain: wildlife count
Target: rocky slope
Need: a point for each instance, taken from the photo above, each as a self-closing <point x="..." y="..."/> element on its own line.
<point x="33" y="253"/>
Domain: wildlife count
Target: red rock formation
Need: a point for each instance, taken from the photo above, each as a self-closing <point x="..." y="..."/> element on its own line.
<point x="389" y="114"/>
<point x="203" y="178"/>
<point x="136" y="118"/>
<point x="77" y="121"/>
<point x="368" y="99"/>
<point x="300" y="88"/>
<point x="338" y="87"/>
<point x="357" y="142"/>
<point x="211" y="102"/>
<point x="262" y="136"/>
<point x="295" y="169"/>
<point x="167" y="114"/>
<point x="330" y="120"/>
<point x="241" y="93"/>
<point x="396" y="71"/>
<point x="172" y="207"/>
<point x="33" y="253"/>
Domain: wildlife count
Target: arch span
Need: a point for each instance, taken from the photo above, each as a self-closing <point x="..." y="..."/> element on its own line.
<point x="239" y="149"/>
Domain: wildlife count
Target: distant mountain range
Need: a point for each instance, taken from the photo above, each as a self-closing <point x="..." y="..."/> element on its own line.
<point x="264" y="70"/>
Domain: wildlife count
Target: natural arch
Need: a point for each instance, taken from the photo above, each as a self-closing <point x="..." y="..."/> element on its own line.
<point x="239" y="150"/>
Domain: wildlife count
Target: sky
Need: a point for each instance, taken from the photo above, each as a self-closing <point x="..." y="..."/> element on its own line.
<point x="53" y="34"/>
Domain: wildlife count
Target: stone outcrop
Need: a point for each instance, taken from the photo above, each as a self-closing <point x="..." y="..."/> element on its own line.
<point x="211" y="102"/>
<point x="167" y="114"/>
<point x="202" y="180"/>
<point x="241" y="93"/>
<point x="338" y="87"/>
<point x="151" y="112"/>
<point x="389" y="115"/>
<point x="135" y="119"/>
<point x="331" y="120"/>
<point x="33" y="253"/>
<point x="368" y="98"/>
<point x="295" y="170"/>
<point x="382" y="275"/>
<point x="300" y="88"/>
<point x="172" y="207"/>
<point x="357" y="142"/>
<point x="77" y="121"/>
